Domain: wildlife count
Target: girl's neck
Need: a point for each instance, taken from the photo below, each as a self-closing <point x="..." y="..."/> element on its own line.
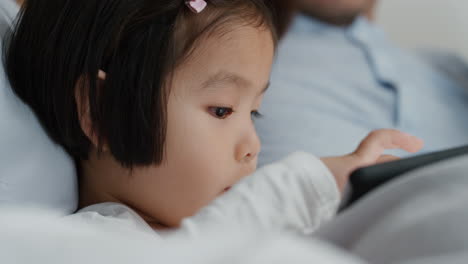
<point x="102" y="180"/>
<point x="95" y="183"/>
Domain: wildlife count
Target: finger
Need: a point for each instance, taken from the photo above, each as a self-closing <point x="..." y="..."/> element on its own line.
<point x="372" y="147"/>
<point x="408" y="142"/>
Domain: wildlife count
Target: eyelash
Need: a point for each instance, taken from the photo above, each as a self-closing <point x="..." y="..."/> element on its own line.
<point x="215" y="111"/>
<point x="225" y="112"/>
<point x="256" y="114"/>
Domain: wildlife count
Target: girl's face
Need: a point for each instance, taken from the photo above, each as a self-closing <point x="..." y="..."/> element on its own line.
<point x="211" y="141"/>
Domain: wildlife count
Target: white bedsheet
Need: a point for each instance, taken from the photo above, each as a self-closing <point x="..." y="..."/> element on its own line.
<point x="36" y="237"/>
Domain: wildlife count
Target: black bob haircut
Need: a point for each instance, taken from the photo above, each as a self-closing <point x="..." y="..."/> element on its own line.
<point x="57" y="48"/>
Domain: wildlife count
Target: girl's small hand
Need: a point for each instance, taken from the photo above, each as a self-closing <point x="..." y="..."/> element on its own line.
<point x="370" y="152"/>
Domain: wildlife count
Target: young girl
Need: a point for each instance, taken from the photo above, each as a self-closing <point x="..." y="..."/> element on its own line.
<point x="155" y="101"/>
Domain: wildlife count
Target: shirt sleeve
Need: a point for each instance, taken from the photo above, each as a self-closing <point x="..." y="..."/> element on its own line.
<point x="298" y="193"/>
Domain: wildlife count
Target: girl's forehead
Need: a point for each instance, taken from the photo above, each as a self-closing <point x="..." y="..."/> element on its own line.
<point x="241" y="44"/>
<point x="241" y="57"/>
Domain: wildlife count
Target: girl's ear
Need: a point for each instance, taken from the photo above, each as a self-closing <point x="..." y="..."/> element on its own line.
<point x="82" y="104"/>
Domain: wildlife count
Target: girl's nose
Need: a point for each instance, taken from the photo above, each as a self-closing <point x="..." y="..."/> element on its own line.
<point x="249" y="147"/>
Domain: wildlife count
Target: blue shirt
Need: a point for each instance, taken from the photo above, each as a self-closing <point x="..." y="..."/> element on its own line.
<point x="331" y="86"/>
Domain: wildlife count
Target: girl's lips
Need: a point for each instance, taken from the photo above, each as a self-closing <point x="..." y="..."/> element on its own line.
<point x="225" y="190"/>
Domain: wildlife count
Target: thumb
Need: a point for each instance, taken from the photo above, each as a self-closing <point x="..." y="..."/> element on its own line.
<point x="387" y="158"/>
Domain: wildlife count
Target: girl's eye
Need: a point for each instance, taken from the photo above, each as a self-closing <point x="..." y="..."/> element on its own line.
<point x="256" y="115"/>
<point x="221" y="112"/>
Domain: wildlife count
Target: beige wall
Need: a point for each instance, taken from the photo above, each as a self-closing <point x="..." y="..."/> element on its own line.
<point x="426" y="23"/>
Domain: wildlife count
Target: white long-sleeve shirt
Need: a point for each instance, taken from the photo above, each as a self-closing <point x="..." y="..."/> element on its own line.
<point x="248" y="224"/>
<point x="298" y="193"/>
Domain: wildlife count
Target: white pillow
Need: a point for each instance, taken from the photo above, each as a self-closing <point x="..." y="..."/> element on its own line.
<point x="33" y="170"/>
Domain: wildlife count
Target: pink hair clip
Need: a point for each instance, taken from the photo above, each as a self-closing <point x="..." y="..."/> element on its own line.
<point x="197" y="6"/>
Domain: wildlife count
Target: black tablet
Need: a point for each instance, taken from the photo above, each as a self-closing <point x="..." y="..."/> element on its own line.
<point x="366" y="179"/>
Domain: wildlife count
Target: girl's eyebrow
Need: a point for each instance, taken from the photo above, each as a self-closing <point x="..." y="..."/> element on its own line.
<point x="223" y="78"/>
